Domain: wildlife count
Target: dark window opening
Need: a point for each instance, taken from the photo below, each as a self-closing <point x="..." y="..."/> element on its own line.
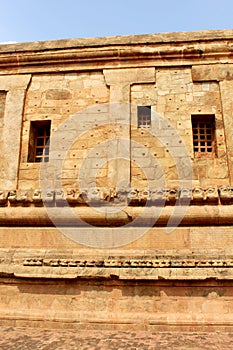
<point x="144" y="116"/>
<point x="204" y="142"/>
<point x="38" y="150"/>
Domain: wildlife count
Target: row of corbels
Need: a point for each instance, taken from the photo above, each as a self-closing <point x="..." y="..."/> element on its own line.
<point x="159" y="263"/>
<point x="105" y="196"/>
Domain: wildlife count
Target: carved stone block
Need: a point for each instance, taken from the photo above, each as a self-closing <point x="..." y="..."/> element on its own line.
<point x="211" y="194"/>
<point x="226" y="194"/>
<point x="144" y="196"/>
<point x="71" y="196"/>
<point x="172" y="195"/>
<point x="48" y="197"/>
<point x="24" y="197"/>
<point x="198" y="195"/>
<point x="185" y="194"/>
<point x="12" y="197"/>
<point x="120" y="196"/>
<point x="37" y="197"/>
<point x="158" y="196"/>
<point x="60" y="198"/>
<point x="94" y="196"/>
<point x="132" y="197"/>
<point x="3" y="198"/>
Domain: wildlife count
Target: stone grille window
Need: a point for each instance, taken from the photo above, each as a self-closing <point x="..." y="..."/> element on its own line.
<point x="203" y="127"/>
<point x="39" y="141"/>
<point x="144" y="116"/>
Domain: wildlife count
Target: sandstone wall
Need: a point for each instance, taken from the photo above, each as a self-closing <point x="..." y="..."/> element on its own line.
<point x="99" y="304"/>
<point x="154" y="222"/>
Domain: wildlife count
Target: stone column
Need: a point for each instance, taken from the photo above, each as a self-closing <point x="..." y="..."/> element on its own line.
<point x="120" y="81"/>
<point x="15" y="86"/>
<point x="226" y="90"/>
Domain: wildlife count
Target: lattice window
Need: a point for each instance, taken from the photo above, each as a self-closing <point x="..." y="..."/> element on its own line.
<point x="38" y="150"/>
<point x="204" y="143"/>
<point x="144" y="116"/>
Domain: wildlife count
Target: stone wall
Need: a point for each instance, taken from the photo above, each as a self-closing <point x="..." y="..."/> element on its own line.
<point x="56" y="98"/>
<point x="124" y="227"/>
<point x="148" y="305"/>
<point x="174" y="96"/>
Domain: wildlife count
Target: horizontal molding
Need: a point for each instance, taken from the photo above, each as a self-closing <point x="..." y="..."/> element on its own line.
<point x="115" y="273"/>
<point x="102" y="196"/>
<point x="129" y="51"/>
<point x="105" y="217"/>
<point x="73" y="264"/>
<point x="173" y="37"/>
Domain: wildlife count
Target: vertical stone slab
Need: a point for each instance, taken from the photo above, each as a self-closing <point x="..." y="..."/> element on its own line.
<point x="226" y="90"/>
<point x="119" y="150"/>
<point x="15" y="86"/>
<point x="120" y="81"/>
<point x="2" y="110"/>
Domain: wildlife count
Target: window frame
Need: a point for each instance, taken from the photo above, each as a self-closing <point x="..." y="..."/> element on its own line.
<point x="144" y="117"/>
<point x="39" y="137"/>
<point x="204" y="135"/>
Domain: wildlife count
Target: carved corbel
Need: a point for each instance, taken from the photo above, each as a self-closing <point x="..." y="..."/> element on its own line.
<point x="211" y="194"/>
<point x="60" y="198"/>
<point x="185" y="194"/>
<point x="132" y="197"/>
<point x="71" y="196"/>
<point x="93" y="195"/>
<point x="158" y="196"/>
<point x="24" y="197"/>
<point x="144" y="196"/>
<point x="48" y="197"/>
<point x="37" y="197"/>
<point x="120" y="196"/>
<point x="12" y="197"/>
<point x="226" y="194"/>
<point x="198" y="195"/>
<point x="172" y="196"/>
<point x="3" y="198"/>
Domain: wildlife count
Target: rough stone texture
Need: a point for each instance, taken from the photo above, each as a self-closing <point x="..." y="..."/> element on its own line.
<point x="114" y="304"/>
<point x="117" y="178"/>
<point x="26" y="338"/>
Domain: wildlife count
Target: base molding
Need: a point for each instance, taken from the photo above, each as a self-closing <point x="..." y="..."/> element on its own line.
<point x="161" y="305"/>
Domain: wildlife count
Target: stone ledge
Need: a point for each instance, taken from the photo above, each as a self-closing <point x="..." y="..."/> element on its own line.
<point x="162" y="49"/>
<point x="109" y="196"/>
<point x="171" y="37"/>
<point x="115" y="273"/>
<point x="131" y="263"/>
<point x="186" y="266"/>
<point x="215" y="215"/>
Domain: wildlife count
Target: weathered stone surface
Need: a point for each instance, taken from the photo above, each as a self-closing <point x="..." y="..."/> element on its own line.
<point x="110" y="177"/>
<point x="58" y="94"/>
<point x="11" y="133"/>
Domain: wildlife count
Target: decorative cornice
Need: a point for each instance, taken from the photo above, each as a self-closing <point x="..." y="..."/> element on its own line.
<point x="122" y="265"/>
<point x="169" y="37"/>
<point x="128" y="51"/>
<point x="130" y="263"/>
<point x="107" y="196"/>
<point x="121" y="270"/>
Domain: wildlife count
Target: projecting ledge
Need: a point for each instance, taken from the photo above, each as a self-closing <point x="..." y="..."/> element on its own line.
<point x="113" y="216"/>
<point x="115" y="273"/>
